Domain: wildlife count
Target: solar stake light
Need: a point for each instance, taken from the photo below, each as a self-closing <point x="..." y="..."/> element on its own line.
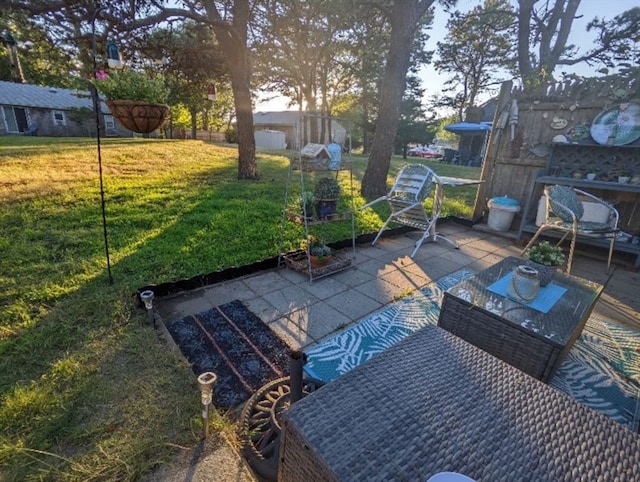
<point x="147" y="298"/>
<point x="206" y="381"/>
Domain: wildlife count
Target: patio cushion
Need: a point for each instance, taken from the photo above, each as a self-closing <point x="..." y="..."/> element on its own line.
<point x="563" y="196"/>
<point x="586" y="227"/>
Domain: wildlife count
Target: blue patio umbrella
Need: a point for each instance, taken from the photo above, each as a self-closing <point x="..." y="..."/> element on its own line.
<point x="471" y="128"/>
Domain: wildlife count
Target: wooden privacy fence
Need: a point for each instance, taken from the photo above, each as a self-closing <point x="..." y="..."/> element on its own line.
<point x="551" y="141"/>
<point x="511" y="164"/>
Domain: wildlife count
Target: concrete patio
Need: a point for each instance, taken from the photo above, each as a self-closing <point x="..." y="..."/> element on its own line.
<point x="303" y="313"/>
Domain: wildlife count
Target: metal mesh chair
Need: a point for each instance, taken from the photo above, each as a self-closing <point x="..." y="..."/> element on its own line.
<point x="413" y="185"/>
<point x="564" y="212"/>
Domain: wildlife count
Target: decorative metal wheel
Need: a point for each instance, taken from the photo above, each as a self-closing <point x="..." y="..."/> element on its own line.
<point x="260" y="424"/>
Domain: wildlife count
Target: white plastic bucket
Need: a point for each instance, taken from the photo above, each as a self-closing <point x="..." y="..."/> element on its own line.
<point x="501" y="212"/>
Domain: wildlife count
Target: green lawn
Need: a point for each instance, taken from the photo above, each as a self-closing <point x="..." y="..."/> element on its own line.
<point x="88" y="391"/>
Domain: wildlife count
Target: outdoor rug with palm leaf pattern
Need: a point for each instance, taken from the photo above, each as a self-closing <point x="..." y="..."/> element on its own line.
<point x="602" y="369"/>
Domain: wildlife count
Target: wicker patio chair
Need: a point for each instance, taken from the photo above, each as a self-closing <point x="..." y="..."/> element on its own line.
<point x="564" y="212"/>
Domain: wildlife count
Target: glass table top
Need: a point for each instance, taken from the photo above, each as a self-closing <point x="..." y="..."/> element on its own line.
<point x="557" y="325"/>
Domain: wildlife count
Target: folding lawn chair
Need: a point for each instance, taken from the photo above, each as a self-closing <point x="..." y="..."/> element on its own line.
<point x="413" y="185"/>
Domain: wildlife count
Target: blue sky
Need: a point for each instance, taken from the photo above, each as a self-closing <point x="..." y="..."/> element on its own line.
<point x="588" y="8"/>
<point x="579" y="36"/>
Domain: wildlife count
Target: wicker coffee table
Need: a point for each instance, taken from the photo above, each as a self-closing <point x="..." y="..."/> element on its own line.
<point x="528" y="339"/>
<point x="434" y="403"/>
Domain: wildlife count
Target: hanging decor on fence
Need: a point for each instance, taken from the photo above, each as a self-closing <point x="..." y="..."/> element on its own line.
<point x="617" y="125"/>
<point x="513" y="118"/>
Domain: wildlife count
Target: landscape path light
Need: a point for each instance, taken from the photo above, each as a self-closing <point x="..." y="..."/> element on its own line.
<point x="206" y="381"/>
<point x="147" y="298"/>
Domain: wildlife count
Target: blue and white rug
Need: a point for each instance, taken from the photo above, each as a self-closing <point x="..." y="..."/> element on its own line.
<point x="379" y="330"/>
<point x="602" y="370"/>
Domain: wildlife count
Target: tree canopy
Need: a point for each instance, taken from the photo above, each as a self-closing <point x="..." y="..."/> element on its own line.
<point x="323" y="54"/>
<point x="475" y="53"/>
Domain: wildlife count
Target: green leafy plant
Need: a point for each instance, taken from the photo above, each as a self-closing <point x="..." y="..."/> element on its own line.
<point x="326" y="188"/>
<point x="80" y="114"/>
<point x="231" y="136"/>
<point x="546" y="254"/>
<point x="316" y="247"/>
<point x="307" y="201"/>
<point x="132" y="85"/>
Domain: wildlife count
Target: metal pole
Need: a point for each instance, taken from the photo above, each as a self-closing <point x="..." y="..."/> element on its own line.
<point x="96" y="109"/>
<point x="295" y="376"/>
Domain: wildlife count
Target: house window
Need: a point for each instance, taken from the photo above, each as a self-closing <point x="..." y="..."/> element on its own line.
<point x="109" y="123"/>
<point x="59" y="118"/>
<point x="15" y="119"/>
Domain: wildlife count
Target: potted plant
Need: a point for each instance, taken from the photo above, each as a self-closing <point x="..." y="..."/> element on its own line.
<point x="546" y="258"/>
<point x="319" y="253"/>
<point x="307" y="204"/>
<point x="624" y="177"/>
<point x="135" y="99"/>
<point x="326" y="192"/>
<point x="591" y="174"/>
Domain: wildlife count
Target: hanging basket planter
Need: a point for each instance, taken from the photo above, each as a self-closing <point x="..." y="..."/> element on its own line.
<point x="137" y="116"/>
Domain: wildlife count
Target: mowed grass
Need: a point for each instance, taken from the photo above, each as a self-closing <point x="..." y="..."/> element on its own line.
<point x="88" y="391"/>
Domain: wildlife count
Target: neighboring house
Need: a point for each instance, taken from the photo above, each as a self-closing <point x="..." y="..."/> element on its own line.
<point x="296" y="133"/>
<point x="27" y="109"/>
<point x="489" y="110"/>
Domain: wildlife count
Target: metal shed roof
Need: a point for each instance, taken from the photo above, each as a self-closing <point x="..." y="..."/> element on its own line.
<point x="28" y="95"/>
<point x="285" y="118"/>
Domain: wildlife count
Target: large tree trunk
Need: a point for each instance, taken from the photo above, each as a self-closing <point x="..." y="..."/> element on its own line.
<point x="404" y="19"/>
<point x="194" y="123"/>
<point x="552" y="35"/>
<point x="240" y="82"/>
<point x="233" y="40"/>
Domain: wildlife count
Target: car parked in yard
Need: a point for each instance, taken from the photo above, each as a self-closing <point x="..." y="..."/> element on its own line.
<point x="425" y="152"/>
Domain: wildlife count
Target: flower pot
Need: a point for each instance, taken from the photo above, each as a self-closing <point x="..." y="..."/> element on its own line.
<point x="307" y="212"/>
<point x="524" y="285"/>
<point x="591" y="176"/>
<point x="326" y="208"/>
<point x="545" y="273"/>
<point x="319" y="262"/>
<point x="624" y="179"/>
<point x="140" y="117"/>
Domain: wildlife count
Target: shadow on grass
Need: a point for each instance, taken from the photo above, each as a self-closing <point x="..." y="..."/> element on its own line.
<point x="87" y="389"/>
<point x="82" y="377"/>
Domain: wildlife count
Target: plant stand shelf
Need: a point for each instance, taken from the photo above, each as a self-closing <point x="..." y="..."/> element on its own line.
<point x="299" y="261"/>
<point x="307" y="168"/>
<point x="568" y="164"/>
<point x="313" y="221"/>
